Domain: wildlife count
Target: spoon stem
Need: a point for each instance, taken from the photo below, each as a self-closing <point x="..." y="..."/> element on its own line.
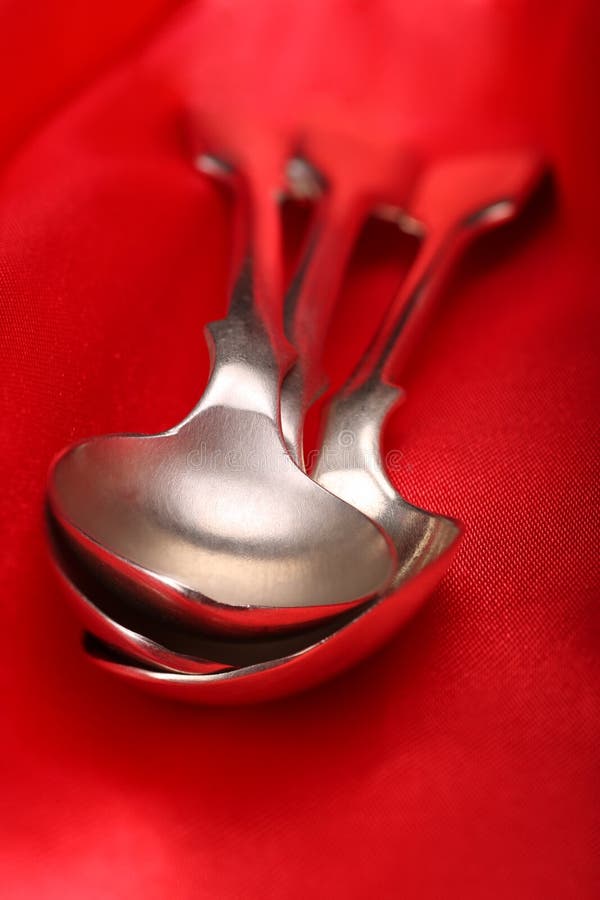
<point x="456" y="200"/>
<point x="309" y="305"/>
<point x="411" y="310"/>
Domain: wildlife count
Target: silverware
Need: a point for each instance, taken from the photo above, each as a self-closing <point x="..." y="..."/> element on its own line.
<point x="104" y="605"/>
<point x="115" y="618"/>
<point x="211" y="523"/>
<point x="455" y="202"/>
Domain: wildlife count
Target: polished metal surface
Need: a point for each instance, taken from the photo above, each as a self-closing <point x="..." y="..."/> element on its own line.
<point x="455" y="203"/>
<point x="211" y="522"/>
<point x="158" y="643"/>
<point x="371" y="625"/>
<point x="311" y="299"/>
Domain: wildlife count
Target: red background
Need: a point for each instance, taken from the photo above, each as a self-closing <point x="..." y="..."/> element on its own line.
<point x="462" y="759"/>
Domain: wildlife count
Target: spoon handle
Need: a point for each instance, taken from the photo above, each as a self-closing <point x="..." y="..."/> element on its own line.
<point x="308" y="307"/>
<point x="311" y="299"/>
<point x="257" y="244"/>
<point x="456" y="201"/>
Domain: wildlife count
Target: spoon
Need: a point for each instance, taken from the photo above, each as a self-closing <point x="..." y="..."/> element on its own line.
<point x="164" y="644"/>
<point x="112" y="616"/>
<point x="211" y="522"/>
<point x="124" y="625"/>
<point x="455" y="201"/>
<point x="490" y="190"/>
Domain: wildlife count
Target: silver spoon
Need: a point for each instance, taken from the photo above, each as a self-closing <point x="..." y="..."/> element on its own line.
<point x="114" y="618"/>
<point x="211" y="522"/>
<point x="455" y="202"/>
<point x="111" y="615"/>
<point x="490" y="190"/>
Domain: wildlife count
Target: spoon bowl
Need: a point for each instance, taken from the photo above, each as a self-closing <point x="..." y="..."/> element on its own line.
<point x="353" y="638"/>
<point x="158" y="643"/>
<point x="228" y="549"/>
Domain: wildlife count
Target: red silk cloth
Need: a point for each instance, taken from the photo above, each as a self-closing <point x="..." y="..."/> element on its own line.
<point x="460" y="761"/>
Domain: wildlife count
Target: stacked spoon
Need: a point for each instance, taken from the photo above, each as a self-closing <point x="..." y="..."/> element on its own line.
<point x="206" y="563"/>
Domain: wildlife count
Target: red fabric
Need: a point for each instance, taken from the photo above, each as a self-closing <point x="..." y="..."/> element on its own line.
<point x="461" y="761"/>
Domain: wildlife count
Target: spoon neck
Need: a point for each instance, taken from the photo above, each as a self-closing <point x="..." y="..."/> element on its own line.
<point x="351" y="440"/>
<point x="292" y="408"/>
<point x="245" y="372"/>
<point x="259" y="286"/>
<point x="313" y="293"/>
